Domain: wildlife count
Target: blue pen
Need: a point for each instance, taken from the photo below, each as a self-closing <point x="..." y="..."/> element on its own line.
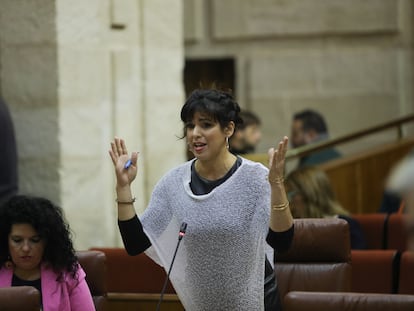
<point x="127" y="164"/>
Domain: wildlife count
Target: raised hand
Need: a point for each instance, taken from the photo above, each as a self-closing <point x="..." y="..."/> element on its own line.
<point x="277" y="162"/>
<point x="119" y="156"/>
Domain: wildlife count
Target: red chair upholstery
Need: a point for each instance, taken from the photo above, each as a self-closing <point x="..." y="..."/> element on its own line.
<point x="135" y="282"/>
<point x="319" y="258"/>
<point x="19" y="298"/>
<point x="406" y="279"/>
<point x="374" y="271"/>
<point x="94" y="265"/>
<point x="133" y="274"/>
<point x="397" y="236"/>
<point x="318" y="301"/>
<point x="373" y="227"/>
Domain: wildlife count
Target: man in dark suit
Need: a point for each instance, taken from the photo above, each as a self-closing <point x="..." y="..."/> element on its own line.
<point x="8" y="155"/>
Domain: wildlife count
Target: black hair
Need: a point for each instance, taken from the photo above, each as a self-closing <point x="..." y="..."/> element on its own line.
<point x="48" y="221"/>
<point x="248" y="118"/>
<point x="312" y="120"/>
<point x="219" y="105"/>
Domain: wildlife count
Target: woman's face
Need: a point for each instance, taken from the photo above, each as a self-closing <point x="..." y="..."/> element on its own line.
<point x="205" y="138"/>
<point x="26" y="247"/>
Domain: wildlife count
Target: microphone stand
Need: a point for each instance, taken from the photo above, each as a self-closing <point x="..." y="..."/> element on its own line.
<point x="180" y="237"/>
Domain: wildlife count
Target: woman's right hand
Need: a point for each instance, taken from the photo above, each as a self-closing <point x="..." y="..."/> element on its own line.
<point x="119" y="156"/>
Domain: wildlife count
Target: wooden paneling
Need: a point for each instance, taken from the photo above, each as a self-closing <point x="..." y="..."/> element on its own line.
<point x="359" y="180"/>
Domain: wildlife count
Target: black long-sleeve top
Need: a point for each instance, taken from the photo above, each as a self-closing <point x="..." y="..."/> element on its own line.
<point x="136" y="241"/>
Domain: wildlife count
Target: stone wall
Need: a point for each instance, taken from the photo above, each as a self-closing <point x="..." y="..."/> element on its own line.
<point x="351" y="60"/>
<point x="77" y="73"/>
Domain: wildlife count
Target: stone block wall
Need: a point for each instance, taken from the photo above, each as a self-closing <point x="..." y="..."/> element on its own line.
<point x="350" y="60"/>
<point x="77" y="73"/>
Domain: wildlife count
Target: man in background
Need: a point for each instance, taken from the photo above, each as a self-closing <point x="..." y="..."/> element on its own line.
<point x="8" y="155"/>
<point x="247" y="135"/>
<point x="309" y="127"/>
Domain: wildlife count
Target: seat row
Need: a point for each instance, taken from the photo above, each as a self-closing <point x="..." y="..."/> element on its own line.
<point x="382" y="271"/>
<point x="343" y="301"/>
<point x="384" y="231"/>
<point x="320" y="272"/>
<point x="320" y="260"/>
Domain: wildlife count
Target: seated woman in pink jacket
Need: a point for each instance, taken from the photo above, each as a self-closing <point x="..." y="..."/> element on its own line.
<point x="36" y="250"/>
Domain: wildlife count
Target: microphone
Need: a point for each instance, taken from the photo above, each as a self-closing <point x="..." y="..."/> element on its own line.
<point x="181" y="234"/>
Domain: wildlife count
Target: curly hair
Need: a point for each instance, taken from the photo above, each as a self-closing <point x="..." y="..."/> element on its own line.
<point x="48" y="220"/>
<point x="220" y="105"/>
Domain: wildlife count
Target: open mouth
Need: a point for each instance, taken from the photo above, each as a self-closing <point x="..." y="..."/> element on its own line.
<point x="198" y="147"/>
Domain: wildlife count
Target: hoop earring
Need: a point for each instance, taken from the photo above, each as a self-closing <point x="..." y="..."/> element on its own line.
<point x="9" y="263"/>
<point x="227" y="142"/>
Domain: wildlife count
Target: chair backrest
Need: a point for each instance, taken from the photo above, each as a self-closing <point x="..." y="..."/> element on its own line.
<point x="316" y="301"/>
<point x="397" y="236"/>
<point x="319" y="258"/>
<point x="19" y="298"/>
<point x="375" y="271"/>
<point x="94" y="264"/>
<point x="133" y="274"/>
<point x="373" y="227"/>
<point x="406" y="279"/>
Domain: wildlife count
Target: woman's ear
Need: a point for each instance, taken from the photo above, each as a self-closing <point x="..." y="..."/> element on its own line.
<point x="229" y="129"/>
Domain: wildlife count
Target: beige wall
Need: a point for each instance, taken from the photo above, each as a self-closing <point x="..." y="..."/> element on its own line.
<point x="77" y="73"/>
<point x="352" y="60"/>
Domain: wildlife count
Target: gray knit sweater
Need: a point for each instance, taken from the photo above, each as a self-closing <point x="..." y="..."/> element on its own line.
<point x="220" y="262"/>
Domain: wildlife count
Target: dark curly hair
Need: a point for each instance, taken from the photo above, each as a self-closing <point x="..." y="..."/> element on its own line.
<point x="48" y="220"/>
<point x="218" y="104"/>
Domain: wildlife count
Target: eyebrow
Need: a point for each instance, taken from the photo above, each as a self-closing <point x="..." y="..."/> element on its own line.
<point x="205" y="119"/>
<point x="19" y="236"/>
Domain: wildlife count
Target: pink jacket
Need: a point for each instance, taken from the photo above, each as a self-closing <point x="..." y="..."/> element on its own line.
<point x="66" y="295"/>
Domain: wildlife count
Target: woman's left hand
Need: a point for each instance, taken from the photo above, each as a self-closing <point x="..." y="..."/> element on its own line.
<point x="277" y="162"/>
